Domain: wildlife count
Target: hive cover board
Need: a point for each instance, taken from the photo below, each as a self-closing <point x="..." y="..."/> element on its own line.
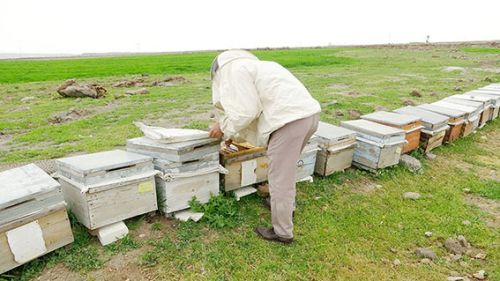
<point x="330" y="134"/>
<point x="24" y="183"/>
<point x="450" y="112"/>
<point x="371" y="130"/>
<point x="469" y="110"/>
<point x="431" y="120"/>
<point x="390" y="118"/>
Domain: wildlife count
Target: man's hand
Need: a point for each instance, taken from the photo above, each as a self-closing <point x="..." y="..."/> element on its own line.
<point x="228" y="142"/>
<point x="215" y="131"/>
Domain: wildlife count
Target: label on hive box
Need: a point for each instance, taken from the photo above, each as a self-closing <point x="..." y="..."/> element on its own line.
<point x="26" y="242"/>
<point x="145" y="187"/>
<point x="248" y="175"/>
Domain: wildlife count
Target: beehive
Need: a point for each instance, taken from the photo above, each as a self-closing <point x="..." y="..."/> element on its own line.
<point x="479" y="106"/>
<point x="435" y="126"/>
<point x="378" y="146"/>
<point x="494" y="99"/>
<point x="188" y="169"/>
<point x="410" y="124"/>
<point x="108" y="187"/>
<point x="456" y="121"/>
<point x="336" y="146"/>
<point x="487" y="103"/>
<point x="307" y="160"/>
<point x="471" y="115"/>
<point x="33" y="217"/>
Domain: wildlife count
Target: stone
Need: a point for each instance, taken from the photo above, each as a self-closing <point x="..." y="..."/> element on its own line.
<point x="415" y="93"/>
<point x="396" y="262"/>
<point x="354" y="114"/>
<point x="410" y="162"/>
<point x="381" y="108"/>
<point x="426" y="261"/>
<point x="457" y="88"/>
<point x="430" y="156"/>
<point x="466" y="190"/>
<point x="142" y="235"/>
<point x="408" y="102"/>
<point x="480" y="256"/>
<point x="332" y="103"/>
<point x="453" y="246"/>
<point x="411" y="195"/>
<point x="481" y="275"/>
<point x="426" y="253"/>
<point x="484" y="137"/>
<point x="339" y="113"/>
<point x="428" y="234"/>
<point x="454" y="278"/>
<point x="463" y="264"/>
<point x="393" y="250"/>
<point x="27" y="99"/>
<point x="454" y="274"/>
<point x="141" y="91"/>
<point x="461" y="239"/>
<point x="70" y="88"/>
<point x="466" y="222"/>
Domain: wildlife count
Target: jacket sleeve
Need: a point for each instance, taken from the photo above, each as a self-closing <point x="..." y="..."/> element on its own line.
<point x="240" y="101"/>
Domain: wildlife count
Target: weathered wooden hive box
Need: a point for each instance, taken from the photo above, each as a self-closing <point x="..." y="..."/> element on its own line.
<point x="493" y="87"/>
<point x="493" y="99"/>
<point x="33" y="217"/>
<point x="108" y="187"/>
<point x="188" y="169"/>
<point x="247" y="166"/>
<point x="435" y="126"/>
<point x="378" y="146"/>
<point x="336" y="146"/>
<point x="479" y="106"/>
<point x="456" y="121"/>
<point x="487" y="103"/>
<point x="410" y="124"/>
<point x="471" y="115"/>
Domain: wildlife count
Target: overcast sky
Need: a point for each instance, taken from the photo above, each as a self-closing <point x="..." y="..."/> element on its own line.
<point x="83" y="26"/>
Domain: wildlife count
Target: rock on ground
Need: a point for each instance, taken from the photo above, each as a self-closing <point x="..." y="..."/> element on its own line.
<point x="141" y="91"/>
<point x="426" y="253"/>
<point x="408" y="102"/>
<point x="71" y="115"/>
<point x="415" y="93"/>
<point x="412" y="195"/>
<point x="481" y="275"/>
<point x="430" y="156"/>
<point x="129" y="83"/>
<point x="454" y="247"/>
<point x="412" y="163"/>
<point x="72" y="89"/>
<point x="354" y="114"/>
<point x="396" y="262"/>
<point x="428" y="234"/>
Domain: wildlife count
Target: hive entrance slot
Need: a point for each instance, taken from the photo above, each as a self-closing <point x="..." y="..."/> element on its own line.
<point x="120" y="168"/>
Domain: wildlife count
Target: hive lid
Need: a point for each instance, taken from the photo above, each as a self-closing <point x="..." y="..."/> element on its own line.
<point x="101" y="161"/>
<point x="495" y="99"/>
<point x="454" y="113"/>
<point x="495" y="92"/>
<point x="178" y="147"/>
<point x="372" y="128"/>
<point x="484" y="100"/>
<point x="24" y="183"/>
<point x="475" y="104"/>
<point x="431" y="120"/>
<point x="390" y="118"/>
<point x="329" y="134"/>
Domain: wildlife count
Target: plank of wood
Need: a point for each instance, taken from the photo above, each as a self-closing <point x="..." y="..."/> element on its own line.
<point x="329" y="162"/>
<point x="56" y="232"/>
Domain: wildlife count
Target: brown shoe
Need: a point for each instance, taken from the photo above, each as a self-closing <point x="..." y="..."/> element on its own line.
<point x="267" y="233"/>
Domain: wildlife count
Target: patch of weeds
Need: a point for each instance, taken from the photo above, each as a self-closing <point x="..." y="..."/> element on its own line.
<point x="83" y="259"/>
<point x="482" y="50"/>
<point x="149" y="258"/>
<point x="125" y="244"/>
<point x="134" y="223"/>
<point x="156" y="226"/>
<point x="188" y="231"/>
<point x="199" y="124"/>
<point x="219" y="212"/>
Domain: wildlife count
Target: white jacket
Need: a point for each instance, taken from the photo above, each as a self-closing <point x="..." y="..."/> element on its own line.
<point x="257" y="97"/>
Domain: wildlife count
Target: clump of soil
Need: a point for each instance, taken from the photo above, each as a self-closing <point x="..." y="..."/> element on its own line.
<point x="72" y="89"/>
<point x="415" y="93"/>
<point x="137" y="82"/>
<point x="141" y="91"/>
<point x="408" y="102"/>
<point x="170" y="81"/>
<point x="71" y="115"/>
<point x="354" y="114"/>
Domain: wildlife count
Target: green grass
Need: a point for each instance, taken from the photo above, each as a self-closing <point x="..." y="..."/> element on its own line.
<point x="343" y="230"/>
<point x="483" y="50"/>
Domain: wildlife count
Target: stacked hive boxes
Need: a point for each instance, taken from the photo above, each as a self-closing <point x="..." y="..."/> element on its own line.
<point x="188" y="169"/>
<point x="410" y="124"/>
<point x="477" y="106"/>
<point x="435" y="126"/>
<point x="108" y="187"/>
<point x="33" y="217"/>
<point x="471" y="115"/>
<point x="493" y="100"/>
<point x="486" y="102"/>
<point x="378" y="146"/>
<point x="456" y="121"/>
<point x="337" y="146"/>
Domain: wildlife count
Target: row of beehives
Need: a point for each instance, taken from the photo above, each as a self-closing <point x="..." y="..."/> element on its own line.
<point x="105" y="188"/>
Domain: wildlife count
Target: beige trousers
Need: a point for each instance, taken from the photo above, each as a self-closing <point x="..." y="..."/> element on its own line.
<point x="284" y="149"/>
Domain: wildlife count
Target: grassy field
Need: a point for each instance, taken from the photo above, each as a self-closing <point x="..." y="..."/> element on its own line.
<point x="349" y="226"/>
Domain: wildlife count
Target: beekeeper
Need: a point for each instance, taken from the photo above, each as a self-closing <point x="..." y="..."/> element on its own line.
<point x="264" y="104"/>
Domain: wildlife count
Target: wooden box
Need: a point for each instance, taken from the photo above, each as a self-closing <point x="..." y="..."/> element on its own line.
<point x="457" y="120"/>
<point x="180" y="182"/>
<point x="336" y="149"/>
<point x="494" y="99"/>
<point x="127" y="188"/>
<point x="245" y="167"/>
<point x="176" y="152"/>
<point x="410" y="124"/>
<point x="483" y="112"/>
<point x="33" y="217"/>
<point x="307" y="161"/>
<point x="378" y="146"/>
<point x="471" y="115"/>
<point x="435" y="126"/>
<point x="487" y="103"/>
